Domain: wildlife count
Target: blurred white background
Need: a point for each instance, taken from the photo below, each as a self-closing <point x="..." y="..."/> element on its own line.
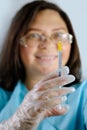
<point x="75" y="9"/>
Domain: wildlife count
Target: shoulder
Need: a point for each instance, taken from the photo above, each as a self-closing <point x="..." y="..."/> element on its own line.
<point x="11" y="100"/>
<point x="81" y="87"/>
<point x="80" y="95"/>
<point x="4" y="97"/>
<point x="19" y="92"/>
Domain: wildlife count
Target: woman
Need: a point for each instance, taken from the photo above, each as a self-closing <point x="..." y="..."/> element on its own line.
<point x="28" y="66"/>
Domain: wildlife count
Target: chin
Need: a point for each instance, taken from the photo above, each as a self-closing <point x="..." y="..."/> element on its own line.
<point x="45" y="71"/>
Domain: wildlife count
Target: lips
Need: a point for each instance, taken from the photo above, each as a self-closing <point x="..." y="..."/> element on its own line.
<point x="46" y="58"/>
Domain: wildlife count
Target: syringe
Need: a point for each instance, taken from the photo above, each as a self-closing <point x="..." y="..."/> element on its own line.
<point x="59" y="58"/>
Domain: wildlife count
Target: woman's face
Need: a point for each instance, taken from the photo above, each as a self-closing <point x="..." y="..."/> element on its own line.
<point x="39" y="57"/>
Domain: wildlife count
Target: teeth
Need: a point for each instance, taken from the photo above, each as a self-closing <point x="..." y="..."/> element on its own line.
<point x="46" y="58"/>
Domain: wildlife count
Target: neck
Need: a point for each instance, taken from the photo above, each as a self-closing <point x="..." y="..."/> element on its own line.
<point x="31" y="81"/>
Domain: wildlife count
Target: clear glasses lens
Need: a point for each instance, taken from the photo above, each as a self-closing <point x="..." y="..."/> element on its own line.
<point x="64" y="37"/>
<point x="36" y="37"/>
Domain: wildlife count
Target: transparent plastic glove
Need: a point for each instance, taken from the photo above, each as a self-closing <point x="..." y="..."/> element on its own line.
<point x="44" y="100"/>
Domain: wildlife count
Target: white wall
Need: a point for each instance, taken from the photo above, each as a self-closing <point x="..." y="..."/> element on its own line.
<point x="76" y="10"/>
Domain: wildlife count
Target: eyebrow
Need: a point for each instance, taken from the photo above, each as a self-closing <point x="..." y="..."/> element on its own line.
<point x="37" y="29"/>
<point x="62" y="28"/>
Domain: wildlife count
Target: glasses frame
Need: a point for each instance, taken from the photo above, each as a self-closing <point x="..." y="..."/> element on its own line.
<point x="43" y="38"/>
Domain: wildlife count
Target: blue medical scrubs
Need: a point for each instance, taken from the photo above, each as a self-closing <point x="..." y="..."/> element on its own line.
<point x="74" y="119"/>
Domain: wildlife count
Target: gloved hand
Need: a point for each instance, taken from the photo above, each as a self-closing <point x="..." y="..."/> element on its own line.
<point x="44" y="100"/>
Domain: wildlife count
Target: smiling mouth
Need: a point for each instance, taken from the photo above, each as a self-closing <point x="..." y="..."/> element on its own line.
<point x="46" y="59"/>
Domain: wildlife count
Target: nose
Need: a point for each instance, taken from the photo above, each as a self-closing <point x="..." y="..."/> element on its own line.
<point x="47" y="43"/>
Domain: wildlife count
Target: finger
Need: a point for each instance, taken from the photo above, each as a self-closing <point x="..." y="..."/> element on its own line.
<point x="53" y="93"/>
<point x="45" y="104"/>
<point x="60" y="81"/>
<point x="64" y="71"/>
<point x="56" y="110"/>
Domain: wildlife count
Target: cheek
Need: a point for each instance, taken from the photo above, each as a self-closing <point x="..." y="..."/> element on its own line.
<point x="66" y="54"/>
<point x="27" y="55"/>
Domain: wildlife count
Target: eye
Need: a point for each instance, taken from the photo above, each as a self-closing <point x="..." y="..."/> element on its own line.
<point x="33" y="36"/>
<point x="55" y="35"/>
